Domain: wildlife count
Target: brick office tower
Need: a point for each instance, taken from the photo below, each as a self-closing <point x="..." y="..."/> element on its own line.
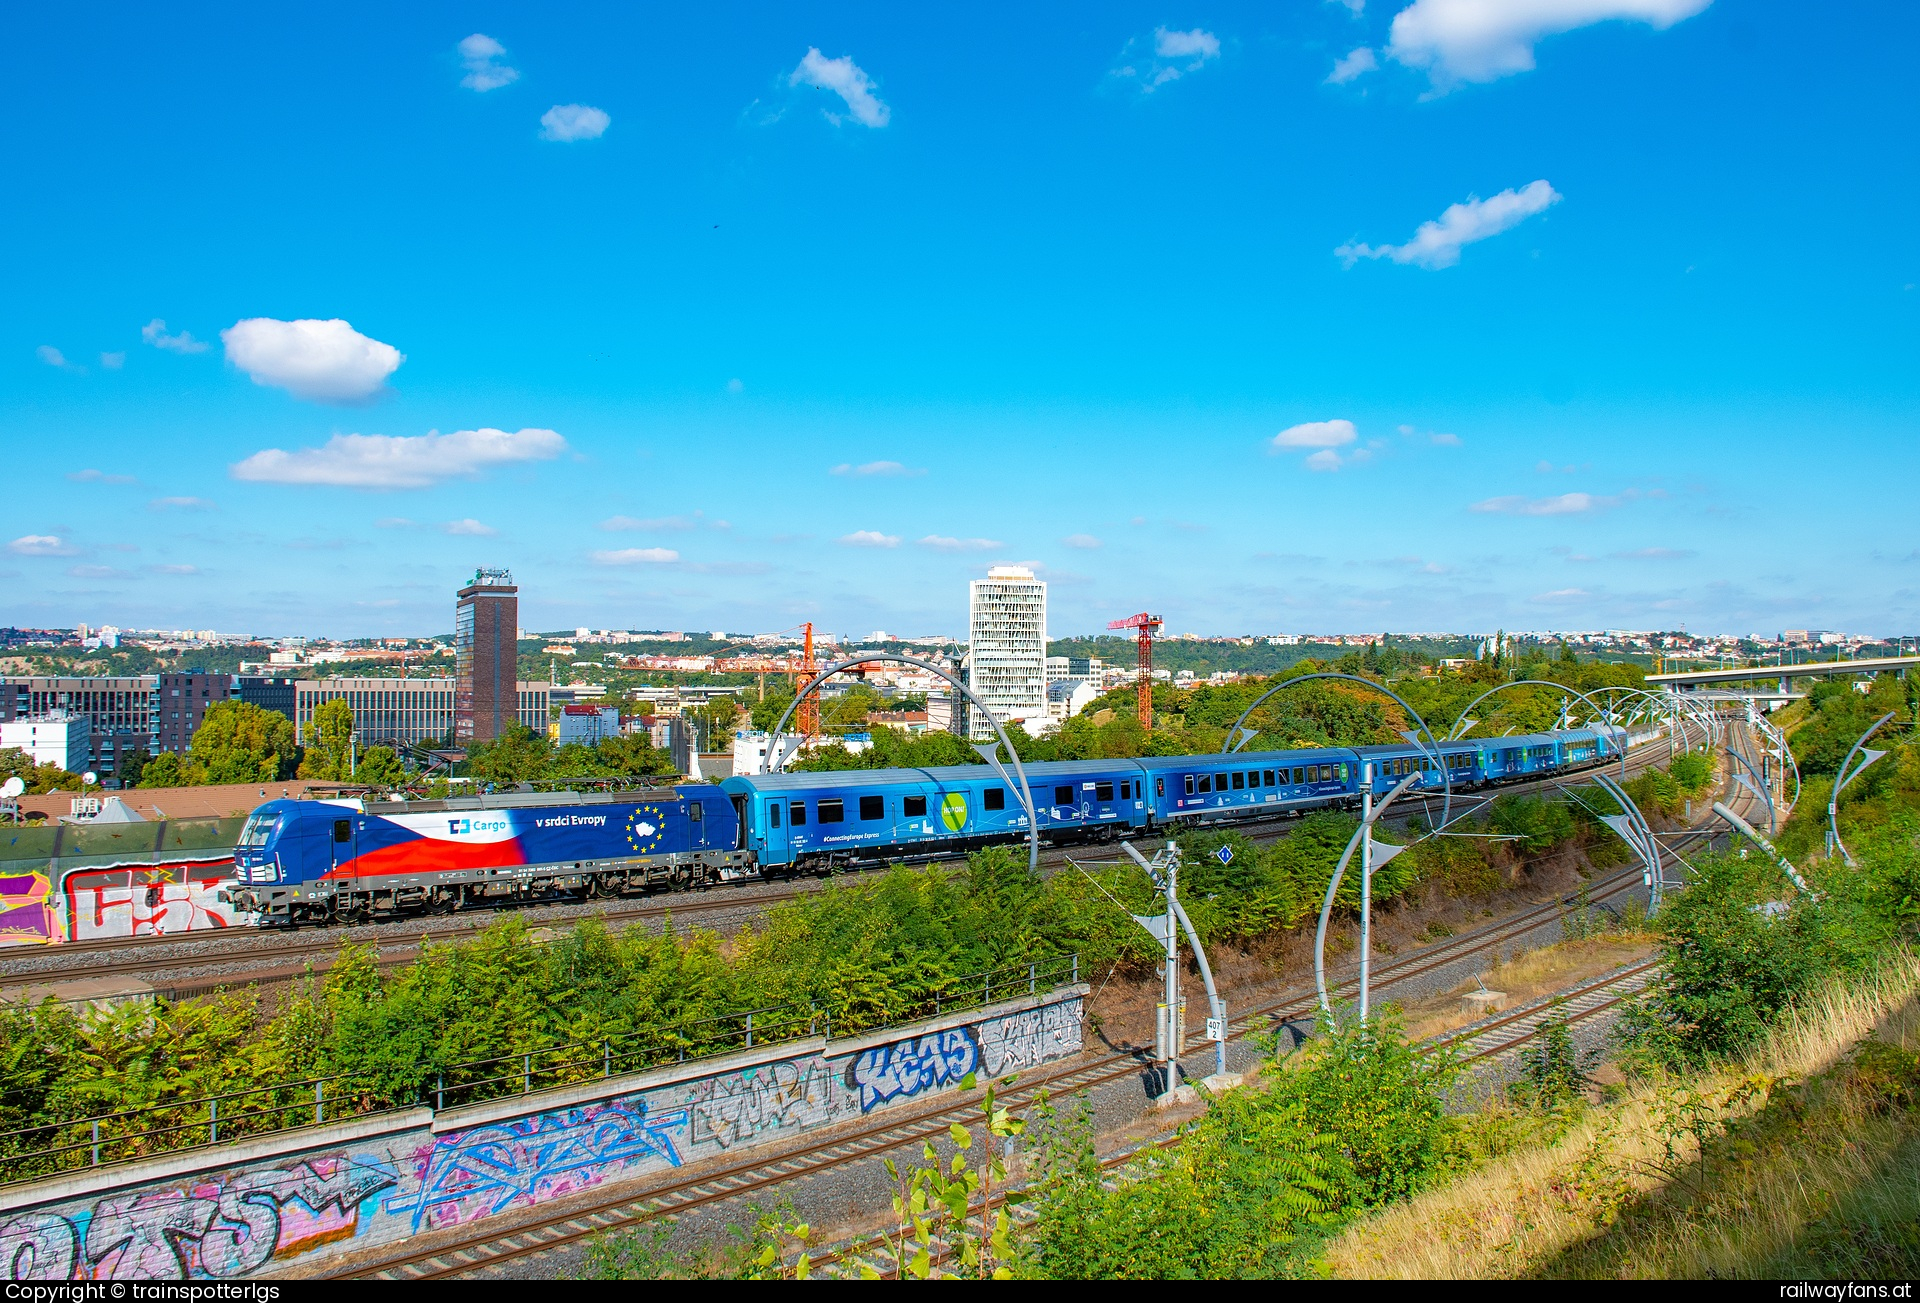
<point x="486" y="622"/>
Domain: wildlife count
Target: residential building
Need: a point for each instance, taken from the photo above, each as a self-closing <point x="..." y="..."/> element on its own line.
<point x="402" y="712"/>
<point x="181" y="702"/>
<point x="587" y="725"/>
<point x="281" y="695"/>
<point x="58" y="737"/>
<point x="119" y="709"/>
<point x="1007" y="646"/>
<point x="908" y="721"/>
<point x="1067" y="698"/>
<point x="942" y="713"/>
<point x="486" y="616"/>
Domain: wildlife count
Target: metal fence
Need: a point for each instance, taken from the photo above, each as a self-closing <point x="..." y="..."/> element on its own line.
<point x="47" y="1148"/>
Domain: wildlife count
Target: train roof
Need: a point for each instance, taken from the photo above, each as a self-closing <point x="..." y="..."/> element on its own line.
<point x="527" y="800"/>
<point x="1160" y="764"/>
<point x="1036" y="772"/>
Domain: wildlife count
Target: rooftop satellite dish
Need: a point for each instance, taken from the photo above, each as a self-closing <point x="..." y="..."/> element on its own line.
<point x="89" y="778"/>
<point x="12" y="787"/>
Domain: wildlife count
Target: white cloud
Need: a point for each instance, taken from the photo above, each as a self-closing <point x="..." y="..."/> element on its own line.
<point x="92" y="476"/>
<point x="53" y="357"/>
<point x="1166" y="56"/>
<point x="615" y="523"/>
<point x="1483" y="40"/>
<point x="636" y="556"/>
<point x="938" y="542"/>
<point x="873" y="468"/>
<point x="1437" y="243"/>
<point x="1562" y="595"/>
<point x="468" y="528"/>
<point x="1086" y="541"/>
<point x="870" y="538"/>
<point x="379" y="461"/>
<point x="482" y="56"/>
<point x="95" y="572"/>
<point x="113" y="361"/>
<point x="1315" y="434"/>
<point x="567" y="122"/>
<point x="173" y="570"/>
<point x="155" y="333"/>
<point x="1357" y="64"/>
<point x="846" y="79"/>
<point x="41" y="545"/>
<point x="1324" y="460"/>
<point x="1561" y="504"/>
<point x="325" y="361"/>
<point x="1444" y="440"/>
<point x="734" y="386"/>
<point x="1657" y="554"/>
<point x="1354" y="7"/>
<point x="180" y="504"/>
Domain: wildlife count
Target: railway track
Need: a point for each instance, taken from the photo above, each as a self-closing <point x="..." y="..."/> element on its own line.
<point x="262" y="956"/>
<point x="777" y="1164"/>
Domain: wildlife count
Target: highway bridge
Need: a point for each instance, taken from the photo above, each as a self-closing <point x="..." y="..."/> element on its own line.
<point x="1689" y="680"/>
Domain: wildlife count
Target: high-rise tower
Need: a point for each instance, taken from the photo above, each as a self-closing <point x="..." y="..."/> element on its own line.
<point x="486" y="620"/>
<point x="1007" y="646"/>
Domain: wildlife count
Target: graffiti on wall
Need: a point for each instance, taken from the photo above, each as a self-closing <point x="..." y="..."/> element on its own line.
<point x="27" y="916"/>
<point x="1018" y="1041"/>
<point x="471" y="1174"/>
<point x="161" y="901"/>
<point x="740" y="1107"/>
<point x="908" y="1068"/>
<point x="218" y="1228"/>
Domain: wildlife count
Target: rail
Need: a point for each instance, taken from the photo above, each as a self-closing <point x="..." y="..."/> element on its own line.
<point x="49" y="1148"/>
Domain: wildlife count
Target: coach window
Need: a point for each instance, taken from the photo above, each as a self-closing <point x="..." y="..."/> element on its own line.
<point x="832" y="811"/>
<point x="1206" y="783"/>
<point x="1063" y="795"/>
<point x="773" y="814"/>
<point x="1270" y="782"/>
<point x="1298" y="775"/>
<point x="1103" y="791"/>
<point x="873" y="807"/>
<point x="1126" y="790"/>
<point x="913" y="807"/>
<point x="1189" y="785"/>
<point x="1239" y="780"/>
<point x="798" y="811"/>
<point x="996" y="798"/>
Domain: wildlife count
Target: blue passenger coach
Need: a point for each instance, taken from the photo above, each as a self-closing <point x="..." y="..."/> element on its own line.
<point x="1212" y="787"/>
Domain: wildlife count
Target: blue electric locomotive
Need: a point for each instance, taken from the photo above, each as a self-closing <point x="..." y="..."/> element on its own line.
<point x="351" y="858"/>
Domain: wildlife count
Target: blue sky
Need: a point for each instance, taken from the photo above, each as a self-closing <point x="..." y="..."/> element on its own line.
<point x="1287" y="317"/>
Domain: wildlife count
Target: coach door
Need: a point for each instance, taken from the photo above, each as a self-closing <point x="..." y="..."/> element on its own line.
<point x="773" y="818"/>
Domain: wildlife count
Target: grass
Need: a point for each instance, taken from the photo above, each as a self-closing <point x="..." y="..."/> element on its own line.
<point x="1802" y="1161"/>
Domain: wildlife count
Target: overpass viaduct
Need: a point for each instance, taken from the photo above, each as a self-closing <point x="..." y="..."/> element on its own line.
<point x="1689" y="680"/>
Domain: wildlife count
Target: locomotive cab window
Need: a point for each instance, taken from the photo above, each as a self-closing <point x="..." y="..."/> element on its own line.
<point x="913" y="807"/>
<point x="995" y="799"/>
<point x="343" y="830"/>
<point x="832" y="811"/>
<point x="873" y="807"/>
<point x="798" y="811"/>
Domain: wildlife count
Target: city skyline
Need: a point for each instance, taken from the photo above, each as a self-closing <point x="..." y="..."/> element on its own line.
<point x="1339" y="319"/>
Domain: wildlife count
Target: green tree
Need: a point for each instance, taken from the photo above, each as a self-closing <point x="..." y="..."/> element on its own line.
<point x="167" y="770"/>
<point x="239" y="742"/>
<point x="132" y="765"/>
<point x="518" y="755"/>
<point x="380" y="767"/>
<point x="331" y="740"/>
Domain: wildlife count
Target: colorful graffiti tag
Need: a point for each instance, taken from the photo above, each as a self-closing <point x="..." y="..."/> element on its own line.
<point x="740" y="1107"/>
<point x="161" y="901"/>
<point x="471" y="1174"/>
<point x="26" y="916"/>
<point x="1023" y="1040"/>
<point x="906" y="1068"/>
<point x="216" y="1228"/>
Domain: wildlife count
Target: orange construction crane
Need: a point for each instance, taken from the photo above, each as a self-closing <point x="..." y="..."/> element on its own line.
<point x="1146" y="624"/>
<point x="807" y="718"/>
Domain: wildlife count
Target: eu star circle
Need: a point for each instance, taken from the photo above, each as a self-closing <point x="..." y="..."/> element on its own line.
<point x="646" y="828"/>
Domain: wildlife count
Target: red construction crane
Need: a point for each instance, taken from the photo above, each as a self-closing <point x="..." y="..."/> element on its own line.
<point x="1146" y="624"/>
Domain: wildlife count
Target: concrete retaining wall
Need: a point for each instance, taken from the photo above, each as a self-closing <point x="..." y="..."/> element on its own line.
<point x="296" y="1199"/>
